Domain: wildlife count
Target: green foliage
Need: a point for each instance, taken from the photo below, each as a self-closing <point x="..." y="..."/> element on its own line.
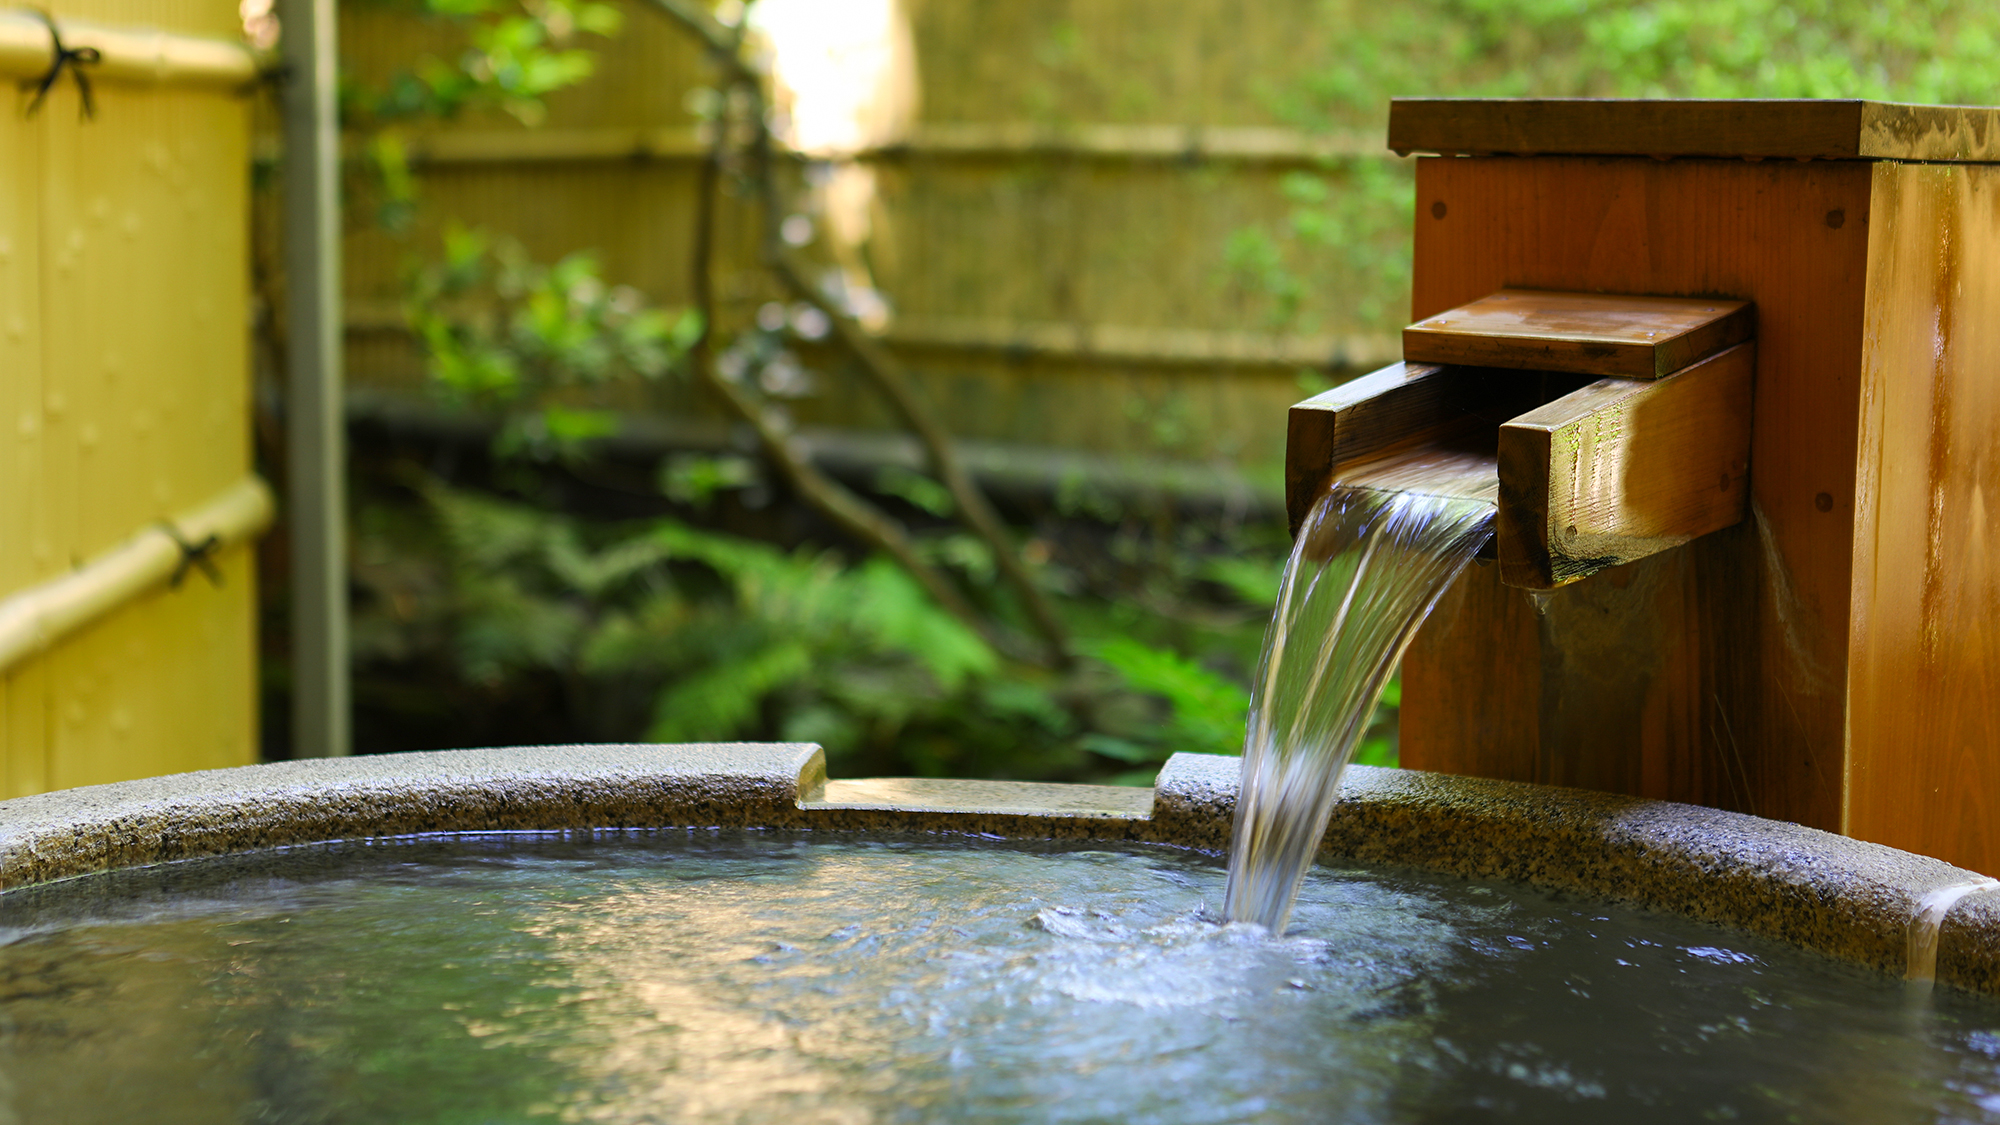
<point x="1353" y="216"/>
<point x="1940" y="51"/>
<point x="735" y="636"/>
<point x="1205" y="711"/>
<point x="503" y="332"/>
<point x="694" y="479"/>
<point x="1906" y="50"/>
<point x="517" y="53"/>
<point x="914" y="488"/>
<point x="659" y="629"/>
<point x="1253" y="580"/>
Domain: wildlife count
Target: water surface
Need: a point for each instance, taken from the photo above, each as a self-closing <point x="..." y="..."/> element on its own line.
<point x="740" y="977"/>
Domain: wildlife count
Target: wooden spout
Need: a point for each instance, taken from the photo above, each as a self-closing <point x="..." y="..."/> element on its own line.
<point x="1622" y="469"/>
<point x="1620" y="425"/>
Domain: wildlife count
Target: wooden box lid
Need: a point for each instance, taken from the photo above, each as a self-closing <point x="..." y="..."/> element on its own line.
<point x="1785" y="129"/>
<point x="1585" y="333"/>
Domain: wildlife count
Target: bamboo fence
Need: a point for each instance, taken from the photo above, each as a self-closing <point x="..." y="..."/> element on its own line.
<point x="124" y="399"/>
<point x="1051" y="232"/>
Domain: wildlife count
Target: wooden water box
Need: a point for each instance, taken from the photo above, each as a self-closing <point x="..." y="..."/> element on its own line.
<point x="1809" y="636"/>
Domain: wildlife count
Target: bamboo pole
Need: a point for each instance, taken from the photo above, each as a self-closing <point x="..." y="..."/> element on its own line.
<point x="36" y="619"/>
<point x="315" y="482"/>
<point x="124" y="54"/>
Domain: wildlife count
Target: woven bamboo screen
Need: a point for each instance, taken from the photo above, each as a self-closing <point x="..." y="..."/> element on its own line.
<point x="1052" y="234"/>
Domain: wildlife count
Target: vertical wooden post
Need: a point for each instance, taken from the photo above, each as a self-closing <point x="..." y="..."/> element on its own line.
<point x="315" y="486"/>
<point x="1923" y="726"/>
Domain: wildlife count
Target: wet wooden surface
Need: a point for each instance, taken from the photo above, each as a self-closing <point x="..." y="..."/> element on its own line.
<point x="1623" y="469"/>
<point x="1359" y="417"/>
<point x="1924" y="692"/>
<point x="1789" y="129"/>
<point x="1715" y="672"/>
<point x="1400" y="406"/>
<point x="1586" y="333"/>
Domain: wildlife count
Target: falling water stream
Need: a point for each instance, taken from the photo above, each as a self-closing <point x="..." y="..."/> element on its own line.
<point x="1375" y="554"/>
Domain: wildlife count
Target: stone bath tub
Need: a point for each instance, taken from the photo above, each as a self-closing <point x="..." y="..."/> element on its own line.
<point x="1874" y="908"/>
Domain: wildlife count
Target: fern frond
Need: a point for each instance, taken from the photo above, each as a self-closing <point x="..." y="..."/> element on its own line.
<point x="718" y="703"/>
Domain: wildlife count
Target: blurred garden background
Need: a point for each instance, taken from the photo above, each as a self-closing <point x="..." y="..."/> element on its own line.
<point x="907" y="376"/>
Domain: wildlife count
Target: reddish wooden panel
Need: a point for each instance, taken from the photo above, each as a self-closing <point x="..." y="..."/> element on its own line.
<point x="1744" y="705"/>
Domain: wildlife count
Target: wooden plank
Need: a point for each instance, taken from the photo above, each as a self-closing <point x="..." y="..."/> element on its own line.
<point x="1587" y="333"/>
<point x="1623" y="469"/>
<point x="1945" y="134"/>
<point x="1402" y="405"/>
<point x="1923" y="700"/>
<point x="1604" y="685"/>
<point x="1786" y="129"/>
<point x="1357" y="418"/>
<point x="1743" y="702"/>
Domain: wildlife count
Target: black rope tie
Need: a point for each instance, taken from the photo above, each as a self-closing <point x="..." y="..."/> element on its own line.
<point x="194" y="556"/>
<point x="72" y="59"/>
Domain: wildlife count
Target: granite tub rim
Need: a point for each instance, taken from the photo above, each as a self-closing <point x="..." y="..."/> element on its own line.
<point x="1865" y="903"/>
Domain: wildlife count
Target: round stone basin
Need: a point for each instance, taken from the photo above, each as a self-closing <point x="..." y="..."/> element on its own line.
<point x="718" y="933"/>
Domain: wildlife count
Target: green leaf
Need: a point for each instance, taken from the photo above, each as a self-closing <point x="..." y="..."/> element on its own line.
<point x="920" y="491"/>
<point x="695" y="478"/>
<point x="1254" y="581"/>
<point x="1208" y="710"/>
<point x="716" y="704"/>
<point x="1121" y="749"/>
<point x="889" y="606"/>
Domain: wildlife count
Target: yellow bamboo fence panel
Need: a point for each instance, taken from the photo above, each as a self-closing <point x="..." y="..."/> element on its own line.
<point x="124" y="399"/>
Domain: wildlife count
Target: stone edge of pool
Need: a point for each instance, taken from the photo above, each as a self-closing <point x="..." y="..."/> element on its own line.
<point x="1845" y="898"/>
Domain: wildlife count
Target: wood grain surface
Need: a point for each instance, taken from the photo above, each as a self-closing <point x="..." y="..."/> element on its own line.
<point x="1402" y="405"/>
<point x="1755" y="129"/>
<point x="1357" y="418"/>
<point x="1622" y="469"/>
<point x="1924" y="694"/>
<point x="1586" y="333"/>
<point x="1715" y="672"/>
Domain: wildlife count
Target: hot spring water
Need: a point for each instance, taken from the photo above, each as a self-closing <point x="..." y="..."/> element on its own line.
<point x="1375" y="554"/>
<point x="738" y="976"/>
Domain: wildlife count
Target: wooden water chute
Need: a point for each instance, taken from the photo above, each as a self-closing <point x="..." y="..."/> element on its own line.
<point x="1649" y="455"/>
<point x="1803" y="625"/>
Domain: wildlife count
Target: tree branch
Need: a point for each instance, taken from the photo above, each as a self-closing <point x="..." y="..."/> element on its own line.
<point x="855" y="515"/>
<point x="877" y="363"/>
<point x="886" y="373"/>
